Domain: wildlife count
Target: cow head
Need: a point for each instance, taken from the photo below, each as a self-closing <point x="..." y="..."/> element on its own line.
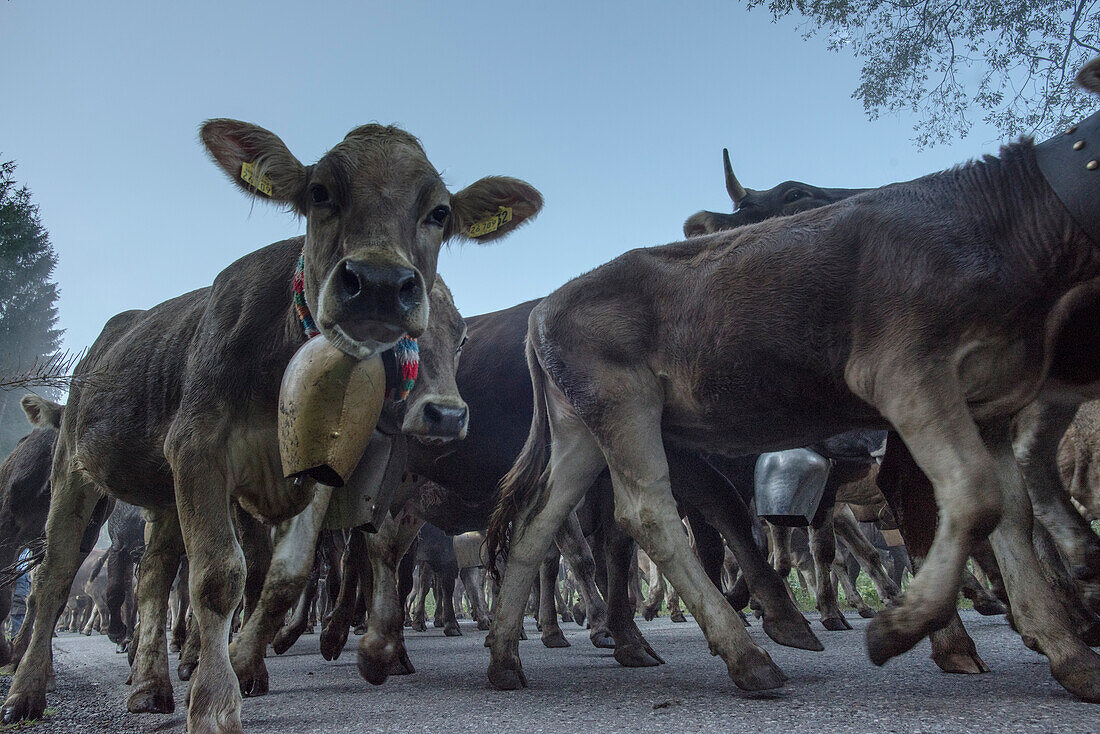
<point x="377" y="213"/>
<point x="751" y="206"/>
<point x="40" y="412"/>
<point x="434" y="411"/>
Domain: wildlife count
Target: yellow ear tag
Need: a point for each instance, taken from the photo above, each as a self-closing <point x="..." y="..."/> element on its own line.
<point x="491" y="224"/>
<point x="260" y="183"/>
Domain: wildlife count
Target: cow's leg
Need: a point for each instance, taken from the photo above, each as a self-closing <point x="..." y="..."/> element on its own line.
<point x="472" y="584"/>
<point x="779" y="544"/>
<point x="847" y="531"/>
<point x="984" y="602"/>
<point x="1081" y="618"/>
<point x="203" y="483"/>
<point x="381" y="650"/>
<point x="705" y="489"/>
<point x="1039" y="429"/>
<point x="334" y="634"/>
<point x="423" y="585"/>
<point x="189" y="655"/>
<point x="445" y="599"/>
<point x="119" y="568"/>
<point x="985" y="562"/>
<point x="151" y="688"/>
<point x="575" y="463"/>
<point x="931" y="415"/>
<point x="851" y="593"/>
<point x="548" y="614"/>
<point x="823" y="548"/>
<point x="179" y="622"/>
<point x="632" y="650"/>
<point x="578" y="554"/>
<point x="288" y="634"/>
<point x="910" y="495"/>
<point x="284" y="576"/>
<point x="657" y="592"/>
<point x="72" y="504"/>
<point x="644" y="505"/>
<point x="437" y="590"/>
<point x="255" y="538"/>
<point x="1041" y="620"/>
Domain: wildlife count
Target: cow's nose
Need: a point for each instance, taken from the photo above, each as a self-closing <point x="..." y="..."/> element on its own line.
<point x="379" y="292"/>
<point x="445" y="420"/>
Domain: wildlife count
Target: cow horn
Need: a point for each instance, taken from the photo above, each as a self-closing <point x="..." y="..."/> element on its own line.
<point x="733" y="186"/>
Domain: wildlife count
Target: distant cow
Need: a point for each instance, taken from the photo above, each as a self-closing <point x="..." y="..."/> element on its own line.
<point x="185" y="413"/>
<point x="939" y="307"/>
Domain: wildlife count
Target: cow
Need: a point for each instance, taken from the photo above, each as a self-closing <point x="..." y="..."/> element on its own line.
<point x="25" y="493"/>
<point x="432" y="411"/>
<point x="183" y="421"/>
<point x="126" y="528"/>
<point x="939" y="308"/>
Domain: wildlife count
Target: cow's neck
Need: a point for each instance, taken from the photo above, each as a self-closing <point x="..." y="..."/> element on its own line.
<point x="1009" y="199"/>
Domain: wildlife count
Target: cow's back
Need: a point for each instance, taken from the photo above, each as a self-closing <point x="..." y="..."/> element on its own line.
<point x="130" y="386"/>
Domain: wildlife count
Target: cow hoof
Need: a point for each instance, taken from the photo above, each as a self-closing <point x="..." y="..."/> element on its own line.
<point x="175" y="647"/>
<point x="155" y="698"/>
<point x="794" y="633"/>
<point x="635" y="656"/>
<point x="333" y="639"/>
<point x="579" y="613"/>
<point x="360" y="630"/>
<point x="886" y="640"/>
<point x="122" y="647"/>
<point x="507" y="677"/>
<point x="523" y="634"/>
<point x="419" y="626"/>
<point x="452" y="631"/>
<point x="308" y="630"/>
<point x="649" y="613"/>
<point x="26" y="707"/>
<point x="960" y="663"/>
<point x="566" y="616"/>
<point x="483" y="624"/>
<point x="284" y="640"/>
<point x="867" y="613"/>
<point x="253" y="679"/>
<point x="379" y="658"/>
<point x="553" y="637"/>
<point x="602" y="639"/>
<point x="186" y="670"/>
<point x="755" y="671"/>
<point x="1080" y="675"/>
<point x="835" y="624"/>
<point x="437" y="623"/>
<point x="989" y="607"/>
<point x="677" y="616"/>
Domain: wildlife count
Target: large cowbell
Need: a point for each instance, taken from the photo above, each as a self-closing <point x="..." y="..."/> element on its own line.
<point x="790" y="485"/>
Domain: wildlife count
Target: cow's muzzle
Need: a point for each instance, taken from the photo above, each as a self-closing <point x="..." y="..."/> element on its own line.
<point x="372" y="301"/>
<point x="436" y="420"/>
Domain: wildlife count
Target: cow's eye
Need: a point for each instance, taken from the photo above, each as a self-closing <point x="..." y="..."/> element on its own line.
<point x="320" y="195"/>
<point x="438" y="216"/>
<point x="795" y="195"/>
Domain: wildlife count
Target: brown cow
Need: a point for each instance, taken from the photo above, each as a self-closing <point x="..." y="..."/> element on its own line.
<point x="184" y="415"/>
<point x="940" y="307"/>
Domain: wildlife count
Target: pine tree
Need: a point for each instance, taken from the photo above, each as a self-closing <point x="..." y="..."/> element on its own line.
<point x="28" y="297"/>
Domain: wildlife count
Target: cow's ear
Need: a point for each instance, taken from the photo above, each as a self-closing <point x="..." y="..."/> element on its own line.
<point x="41" y="412"/>
<point x="257" y="161"/>
<point x="493" y="207"/>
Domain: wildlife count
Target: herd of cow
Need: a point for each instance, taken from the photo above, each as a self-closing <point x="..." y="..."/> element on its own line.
<point x="955" y="317"/>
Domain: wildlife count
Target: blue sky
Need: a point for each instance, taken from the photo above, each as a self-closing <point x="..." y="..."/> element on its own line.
<point x="617" y="112"/>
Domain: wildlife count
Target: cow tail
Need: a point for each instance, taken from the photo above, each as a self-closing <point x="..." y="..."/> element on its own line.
<point x="525" y="483"/>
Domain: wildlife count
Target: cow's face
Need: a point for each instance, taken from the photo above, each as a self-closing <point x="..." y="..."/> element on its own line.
<point x="377" y="213"/>
<point x="751" y="206"/>
<point x="434" y="411"/>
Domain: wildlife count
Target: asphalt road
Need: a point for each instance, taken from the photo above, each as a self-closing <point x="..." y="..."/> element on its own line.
<point x="584" y="689"/>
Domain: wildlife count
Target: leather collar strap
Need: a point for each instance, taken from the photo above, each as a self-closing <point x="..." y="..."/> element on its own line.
<point x="1070" y="163"/>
